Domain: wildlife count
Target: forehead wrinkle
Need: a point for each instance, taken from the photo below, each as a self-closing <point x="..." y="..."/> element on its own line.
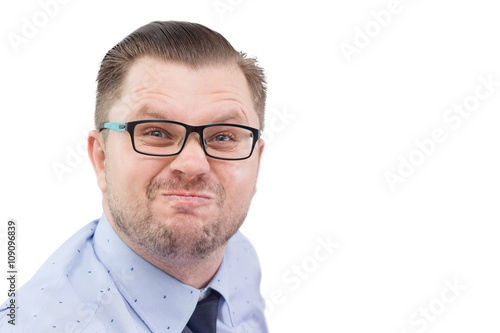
<point x="145" y="79"/>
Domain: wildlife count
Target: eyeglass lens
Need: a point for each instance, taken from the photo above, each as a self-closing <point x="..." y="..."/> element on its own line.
<point x="163" y="138"/>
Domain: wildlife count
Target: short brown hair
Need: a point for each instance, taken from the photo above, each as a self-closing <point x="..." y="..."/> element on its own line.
<point x="186" y="43"/>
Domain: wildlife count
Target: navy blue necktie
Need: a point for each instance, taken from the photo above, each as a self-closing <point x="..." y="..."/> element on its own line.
<point x="204" y="318"/>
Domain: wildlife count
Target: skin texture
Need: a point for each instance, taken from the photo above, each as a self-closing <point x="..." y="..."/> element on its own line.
<point x="177" y="212"/>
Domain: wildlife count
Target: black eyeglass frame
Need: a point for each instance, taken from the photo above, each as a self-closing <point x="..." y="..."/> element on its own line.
<point x="130" y="126"/>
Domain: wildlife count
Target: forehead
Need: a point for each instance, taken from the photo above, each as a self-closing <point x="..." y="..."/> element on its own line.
<point x="159" y="89"/>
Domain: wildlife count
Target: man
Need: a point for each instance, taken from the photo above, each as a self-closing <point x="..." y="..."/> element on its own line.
<point x="176" y="154"/>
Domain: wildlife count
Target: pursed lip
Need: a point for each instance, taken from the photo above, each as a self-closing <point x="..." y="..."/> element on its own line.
<point x="188" y="198"/>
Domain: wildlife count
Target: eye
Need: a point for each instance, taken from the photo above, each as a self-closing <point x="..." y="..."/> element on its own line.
<point x="157" y="133"/>
<point x="222" y="137"/>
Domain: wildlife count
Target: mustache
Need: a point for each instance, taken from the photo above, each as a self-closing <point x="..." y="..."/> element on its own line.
<point x="198" y="184"/>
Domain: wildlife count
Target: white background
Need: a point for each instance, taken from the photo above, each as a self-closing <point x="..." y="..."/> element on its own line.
<point x="322" y="179"/>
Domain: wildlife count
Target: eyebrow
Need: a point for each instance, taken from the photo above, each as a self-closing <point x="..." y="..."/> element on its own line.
<point x="231" y="116"/>
<point x="146" y="111"/>
<point x="225" y="117"/>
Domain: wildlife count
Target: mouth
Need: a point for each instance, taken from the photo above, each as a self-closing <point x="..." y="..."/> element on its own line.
<point x="188" y="198"/>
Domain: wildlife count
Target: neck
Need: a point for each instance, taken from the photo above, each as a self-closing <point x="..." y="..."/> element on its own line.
<point x="195" y="272"/>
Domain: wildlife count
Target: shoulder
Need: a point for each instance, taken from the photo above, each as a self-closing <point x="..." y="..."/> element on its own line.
<point x="66" y="291"/>
<point x="241" y="256"/>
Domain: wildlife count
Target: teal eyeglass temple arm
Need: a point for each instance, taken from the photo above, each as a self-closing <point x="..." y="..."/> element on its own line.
<point x="113" y="126"/>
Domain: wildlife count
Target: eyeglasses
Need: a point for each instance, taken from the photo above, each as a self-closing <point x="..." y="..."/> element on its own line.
<point x="167" y="138"/>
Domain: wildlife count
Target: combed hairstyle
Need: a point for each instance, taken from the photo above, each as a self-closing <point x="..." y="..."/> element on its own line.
<point x="189" y="44"/>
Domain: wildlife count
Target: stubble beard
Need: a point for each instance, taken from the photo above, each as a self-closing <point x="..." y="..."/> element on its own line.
<point x="135" y="218"/>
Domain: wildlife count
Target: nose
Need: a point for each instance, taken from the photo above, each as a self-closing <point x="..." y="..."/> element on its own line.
<point x="192" y="161"/>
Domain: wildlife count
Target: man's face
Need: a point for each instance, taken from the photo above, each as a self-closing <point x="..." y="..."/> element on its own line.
<point x="188" y="205"/>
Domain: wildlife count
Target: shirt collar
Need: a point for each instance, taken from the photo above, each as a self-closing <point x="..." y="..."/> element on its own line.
<point x="162" y="302"/>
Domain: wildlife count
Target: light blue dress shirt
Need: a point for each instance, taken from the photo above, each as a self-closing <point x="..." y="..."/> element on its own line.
<point x="95" y="283"/>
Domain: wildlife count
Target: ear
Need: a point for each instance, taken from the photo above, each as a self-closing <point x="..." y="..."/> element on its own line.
<point x="261" y="143"/>
<point x="95" y="146"/>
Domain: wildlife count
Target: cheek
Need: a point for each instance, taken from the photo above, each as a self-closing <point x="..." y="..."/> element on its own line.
<point x="238" y="180"/>
<point x="130" y="173"/>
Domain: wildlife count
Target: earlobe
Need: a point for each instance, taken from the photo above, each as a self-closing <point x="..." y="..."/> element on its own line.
<point x="95" y="146"/>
